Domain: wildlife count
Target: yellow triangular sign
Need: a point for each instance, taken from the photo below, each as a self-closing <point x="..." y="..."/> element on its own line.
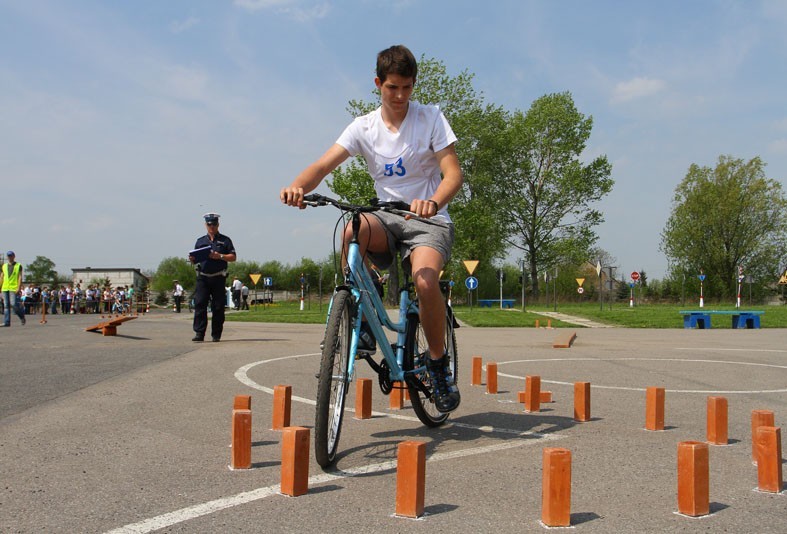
<point x="783" y="279"/>
<point x="255" y="278"/>
<point x="470" y="265"/>
<point x="580" y="281"/>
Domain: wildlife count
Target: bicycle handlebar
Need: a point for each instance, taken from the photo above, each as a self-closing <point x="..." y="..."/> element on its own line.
<point x="397" y="207"/>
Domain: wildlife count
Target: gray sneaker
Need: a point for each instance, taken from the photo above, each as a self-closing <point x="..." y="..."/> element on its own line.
<point x="446" y="394"/>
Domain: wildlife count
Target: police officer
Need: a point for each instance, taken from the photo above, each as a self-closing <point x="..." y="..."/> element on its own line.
<point x="211" y="279"/>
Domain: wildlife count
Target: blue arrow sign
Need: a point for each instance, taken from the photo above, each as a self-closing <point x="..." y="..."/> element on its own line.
<point x="701" y="277"/>
<point x="471" y="282"/>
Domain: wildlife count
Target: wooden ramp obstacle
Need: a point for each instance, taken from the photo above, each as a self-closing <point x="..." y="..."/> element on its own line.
<point x="565" y="340"/>
<point x="110" y="328"/>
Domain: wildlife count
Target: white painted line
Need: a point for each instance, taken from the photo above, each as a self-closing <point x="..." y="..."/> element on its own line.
<point x="217" y="505"/>
<point x="624" y="388"/>
<point x="242" y="375"/>
<point x="732" y="350"/>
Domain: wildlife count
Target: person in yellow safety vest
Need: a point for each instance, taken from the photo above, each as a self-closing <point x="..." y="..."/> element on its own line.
<point x="11" y="276"/>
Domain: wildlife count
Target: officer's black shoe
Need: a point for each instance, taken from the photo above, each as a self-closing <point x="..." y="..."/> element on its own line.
<point x="216" y="339"/>
<point x="24" y="322"/>
<point x="199" y="338"/>
<point x="446" y="394"/>
<point x="366" y="341"/>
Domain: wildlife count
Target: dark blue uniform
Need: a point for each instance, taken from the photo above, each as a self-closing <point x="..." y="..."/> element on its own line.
<point x="211" y="280"/>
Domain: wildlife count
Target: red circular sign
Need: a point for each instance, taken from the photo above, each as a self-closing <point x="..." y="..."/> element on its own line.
<point x="635" y="276"/>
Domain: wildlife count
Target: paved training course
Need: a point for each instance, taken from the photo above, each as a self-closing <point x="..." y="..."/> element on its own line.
<point x="130" y="433"/>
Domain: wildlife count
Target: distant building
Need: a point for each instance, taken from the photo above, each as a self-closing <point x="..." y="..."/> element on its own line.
<point x="116" y="276"/>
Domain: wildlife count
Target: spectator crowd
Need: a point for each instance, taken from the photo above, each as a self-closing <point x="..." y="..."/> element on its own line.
<point x="73" y="299"/>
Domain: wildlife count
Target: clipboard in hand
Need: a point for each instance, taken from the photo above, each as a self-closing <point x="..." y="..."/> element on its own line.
<point x="200" y="254"/>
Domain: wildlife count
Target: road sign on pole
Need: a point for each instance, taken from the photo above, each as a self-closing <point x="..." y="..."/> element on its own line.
<point x="470" y="265"/>
<point x="635" y="276"/>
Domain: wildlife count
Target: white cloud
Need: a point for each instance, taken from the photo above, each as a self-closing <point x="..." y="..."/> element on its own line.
<point x="180" y="26"/>
<point x="257" y="5"/>
<point x="289" y="8"/>
<point x="186" y="83"/>
<point x="320" y="11"/>
<point x="778" y="146"/>
<point x="636" y="88"/>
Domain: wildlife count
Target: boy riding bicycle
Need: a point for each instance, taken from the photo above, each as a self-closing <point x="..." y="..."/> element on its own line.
<point x="407" y="147"/>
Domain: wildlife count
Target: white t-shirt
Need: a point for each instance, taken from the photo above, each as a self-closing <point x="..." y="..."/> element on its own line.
<point x="403" y="163"/>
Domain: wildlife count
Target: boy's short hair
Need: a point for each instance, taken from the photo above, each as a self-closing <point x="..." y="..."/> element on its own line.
<point x="396" y="60"/>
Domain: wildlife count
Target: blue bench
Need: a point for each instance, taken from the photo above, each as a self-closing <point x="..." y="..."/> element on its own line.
<point x="487" y="303"/>
<point x="702" y="319"/>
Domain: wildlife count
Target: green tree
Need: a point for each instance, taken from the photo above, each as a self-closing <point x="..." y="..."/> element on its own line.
<point x="725" y="217"/>
<point x="548" y="191"/>
<point x="42" y="271"/>
<point x="173" y="268"/>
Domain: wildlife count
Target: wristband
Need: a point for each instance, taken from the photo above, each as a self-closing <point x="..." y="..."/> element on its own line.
<point x="436" y="205"/>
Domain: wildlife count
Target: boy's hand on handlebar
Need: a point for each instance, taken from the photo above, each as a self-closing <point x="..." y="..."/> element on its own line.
<point x="292" y="196"/>
<point x="424" y="208"/>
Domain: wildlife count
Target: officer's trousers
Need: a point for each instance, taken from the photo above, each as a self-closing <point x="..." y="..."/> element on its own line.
<point x="209" y="289"/>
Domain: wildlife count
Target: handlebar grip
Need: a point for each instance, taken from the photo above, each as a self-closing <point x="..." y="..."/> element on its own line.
<point x="395" y="204"/>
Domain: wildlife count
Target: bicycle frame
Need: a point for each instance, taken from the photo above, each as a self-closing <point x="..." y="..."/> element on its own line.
<point x="369" y="303"/>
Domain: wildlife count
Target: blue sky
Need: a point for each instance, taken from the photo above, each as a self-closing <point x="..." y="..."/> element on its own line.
<point x="121" y="123"/>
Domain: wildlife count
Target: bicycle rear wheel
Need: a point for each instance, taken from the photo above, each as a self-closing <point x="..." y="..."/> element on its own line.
<point x="333" y="379"/>
<point x="416" y="351"/>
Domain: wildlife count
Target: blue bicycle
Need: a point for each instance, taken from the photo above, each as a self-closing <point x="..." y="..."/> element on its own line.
<point x="403" y="361"/>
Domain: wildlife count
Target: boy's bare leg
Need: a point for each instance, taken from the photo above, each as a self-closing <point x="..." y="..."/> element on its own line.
<point x="426" y="265"/>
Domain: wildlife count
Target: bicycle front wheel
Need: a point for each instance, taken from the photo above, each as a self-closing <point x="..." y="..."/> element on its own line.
<point x="333" y="380"/>
<point x="416" y="352"/>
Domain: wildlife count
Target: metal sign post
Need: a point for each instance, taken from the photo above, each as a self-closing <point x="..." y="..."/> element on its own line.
<point x="600" y="286"/>
<point x="634" y="277"/>
<point x="470" y="265"/>
<point x="702" y="279"/>
<point x="254" y="279"/>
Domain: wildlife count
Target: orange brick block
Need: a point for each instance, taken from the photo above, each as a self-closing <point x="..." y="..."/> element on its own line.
<point x="717" y="421"/>
<point x="759" y="418"/>
<point x="546" y="396"/>
<point x="240" y="457"/>
<point x="242" y="402"/>
<point x="363" y="398"/>
<point x="770" y="476"/>
<point x="396" y="398"/>
<point x="693" y="481"/>
<point x="282" y="402"/>
<point x="582" y="401"/>
<point x="654" y="409"/>
<point x="532" y="394"/>
<point x="491" y="378"/>
<point x="475" y="379"/>
<point x="410" y="478"/>
<point x="556" y="488"/>
<point x="295" y="461"/>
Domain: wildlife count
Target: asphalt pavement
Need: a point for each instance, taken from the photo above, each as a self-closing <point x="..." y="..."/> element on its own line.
<point x="131" y="433"/>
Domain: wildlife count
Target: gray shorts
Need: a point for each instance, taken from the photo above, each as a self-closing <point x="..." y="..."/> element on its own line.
<point x="404" y="236"/>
